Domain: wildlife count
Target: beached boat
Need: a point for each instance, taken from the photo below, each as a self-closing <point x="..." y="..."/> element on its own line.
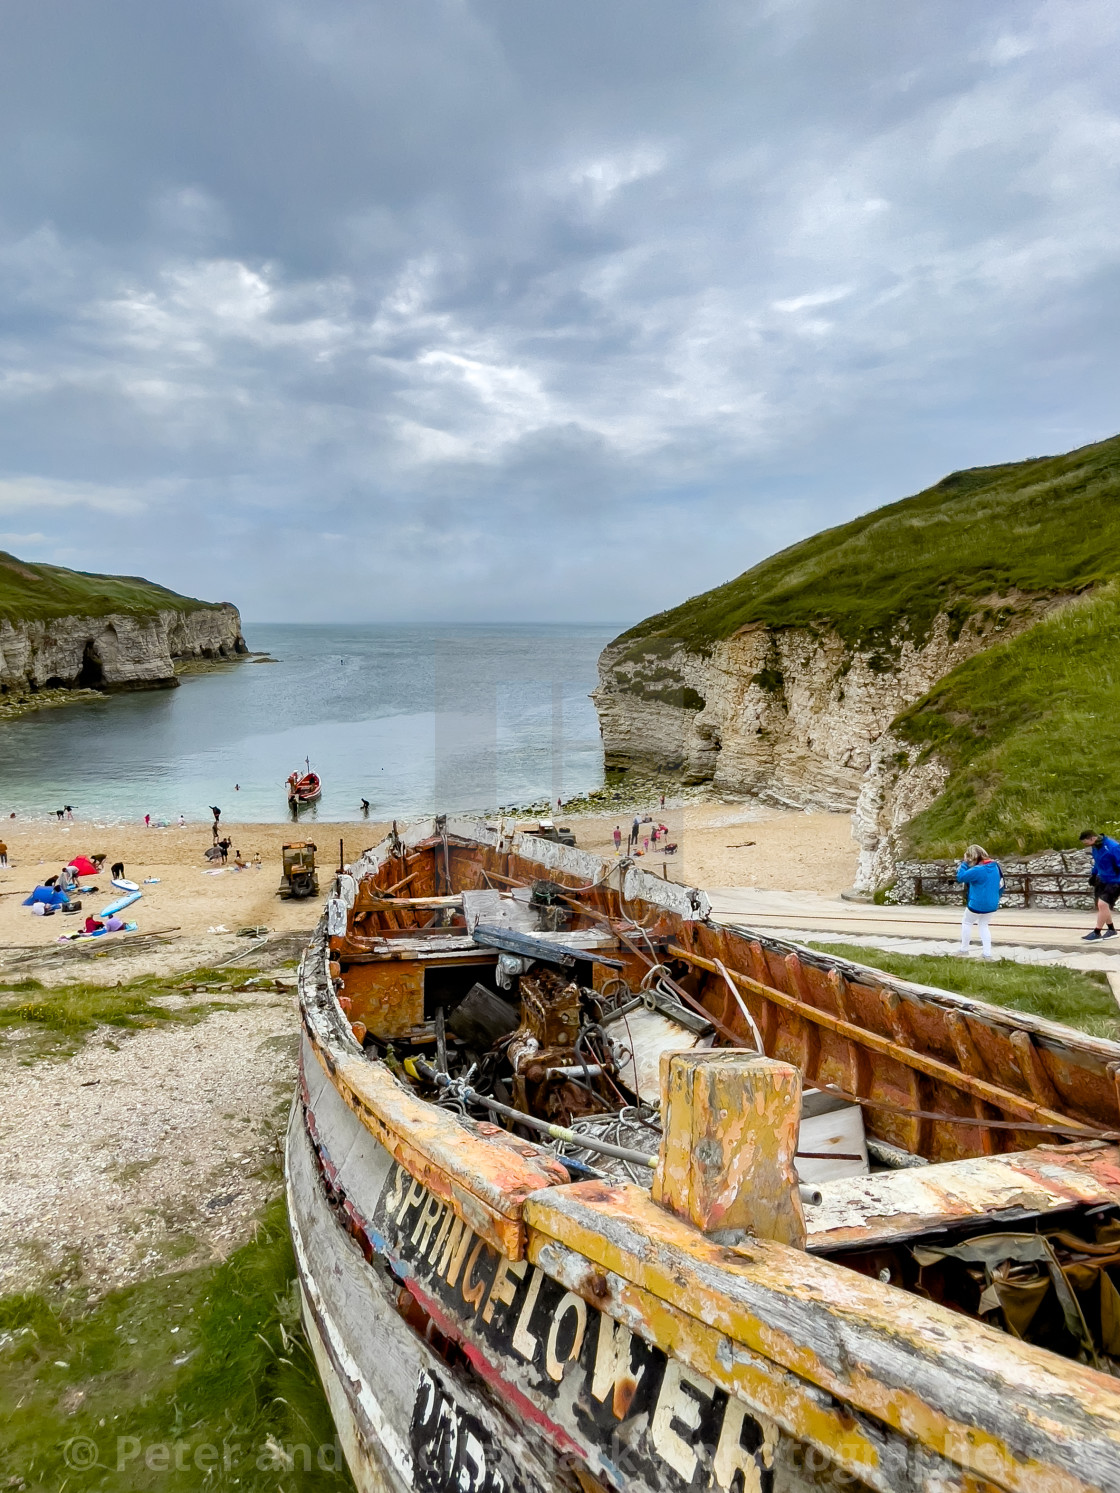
<point x="305" y="788"/>
<point x="886" y="1254"/>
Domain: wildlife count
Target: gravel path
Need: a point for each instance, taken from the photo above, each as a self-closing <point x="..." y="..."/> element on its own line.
<point x="143" y="1152"/>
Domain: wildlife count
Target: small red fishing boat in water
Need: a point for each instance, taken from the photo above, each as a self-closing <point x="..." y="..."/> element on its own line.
<point x="304" y="789"/>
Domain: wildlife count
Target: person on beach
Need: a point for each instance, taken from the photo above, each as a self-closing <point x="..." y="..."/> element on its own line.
<point x="984" y="880"/>
<point x="617" y="840"/>
<point x="635" y="832"/>
<point x="223" y="846"/>
<point x="3" y="855"/>
<point x="663" y="800"/>
<point x="147" y="821"/>
<point x="217" y="813"/>
<point x="1104" y="878"/>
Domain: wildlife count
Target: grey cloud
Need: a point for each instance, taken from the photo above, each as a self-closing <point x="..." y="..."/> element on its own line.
<point x="493" y="308"/>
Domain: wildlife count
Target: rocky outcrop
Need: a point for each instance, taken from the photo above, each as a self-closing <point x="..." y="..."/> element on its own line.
<point x="898" y="785"/>
<point x="796" y="716"/>
<point x="114" y="652"/>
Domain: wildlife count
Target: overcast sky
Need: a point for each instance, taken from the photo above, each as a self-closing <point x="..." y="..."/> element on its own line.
<point x="541" y="309"/>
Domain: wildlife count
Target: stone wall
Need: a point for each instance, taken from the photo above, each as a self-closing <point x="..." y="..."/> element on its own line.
<point x="117" y="651"/>
<point x="1057" y="878"/>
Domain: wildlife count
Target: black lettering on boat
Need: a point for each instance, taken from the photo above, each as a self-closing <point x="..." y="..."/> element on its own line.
<point x="451" y="1449"/>
<point x="641" y="1412"/>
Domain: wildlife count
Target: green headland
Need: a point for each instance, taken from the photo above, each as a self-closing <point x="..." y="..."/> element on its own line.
<point x="33" y="592"/>
<point x="1025" y="727"/>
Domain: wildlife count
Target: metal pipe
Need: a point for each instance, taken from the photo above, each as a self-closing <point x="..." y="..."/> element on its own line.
<point x="557" y="1132"/>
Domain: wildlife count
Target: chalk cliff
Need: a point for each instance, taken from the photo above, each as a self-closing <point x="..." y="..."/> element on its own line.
<point x="794" y="715"/>
<point x="66" y="629"/>
<point x="117" y="651"/>
<point x="937" y="667"/>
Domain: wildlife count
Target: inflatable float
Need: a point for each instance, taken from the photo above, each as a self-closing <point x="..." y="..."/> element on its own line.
<point x="121" y="903"/>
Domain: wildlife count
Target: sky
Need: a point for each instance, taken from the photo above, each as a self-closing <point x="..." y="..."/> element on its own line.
<point x="535" y="309"/>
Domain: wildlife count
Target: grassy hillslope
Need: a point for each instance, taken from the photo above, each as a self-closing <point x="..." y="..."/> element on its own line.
<point x="1027" y="729"/>
<point x="1049" y="526"/>
<point x="30" y="593"/>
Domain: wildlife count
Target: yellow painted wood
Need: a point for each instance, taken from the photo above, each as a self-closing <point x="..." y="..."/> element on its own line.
<point x="486" y="1180"/>
<point x="1027" y="1420"/>
<point x="730" y="1136"/>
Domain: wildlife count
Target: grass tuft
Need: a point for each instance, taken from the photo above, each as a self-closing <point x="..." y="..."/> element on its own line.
<point x="1025" y="729"/>
<point x="1077" y="998"/>
<point x="54" y="1020"/>
<point x="202" y="1379"/>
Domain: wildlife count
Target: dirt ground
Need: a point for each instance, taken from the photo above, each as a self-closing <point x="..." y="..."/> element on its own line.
<point x="718" y="845"/>
<point x="737" y="845"/>
<point x="146" y="1151"/>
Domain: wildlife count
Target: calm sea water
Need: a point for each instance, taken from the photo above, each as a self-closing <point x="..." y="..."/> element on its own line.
<point x="415" y="719"/>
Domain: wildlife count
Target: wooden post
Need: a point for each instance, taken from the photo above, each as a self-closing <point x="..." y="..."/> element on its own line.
<point x="727" y="1156"/>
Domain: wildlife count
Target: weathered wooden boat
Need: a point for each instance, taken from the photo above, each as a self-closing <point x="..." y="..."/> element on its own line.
<point x="868" y="1235"/>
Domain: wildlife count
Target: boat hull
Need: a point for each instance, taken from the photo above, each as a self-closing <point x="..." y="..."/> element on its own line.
<point x="486" y="1326"/>
<point x="408" y="1418"/>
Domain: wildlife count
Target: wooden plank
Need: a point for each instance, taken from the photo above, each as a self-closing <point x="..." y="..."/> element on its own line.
<point x="920" y="1062"/>
<point x="876" y="1209"/>
<point x="1026" y="1419"/>
<point x="835" y="1438"/>
<point x="370" y="902"/>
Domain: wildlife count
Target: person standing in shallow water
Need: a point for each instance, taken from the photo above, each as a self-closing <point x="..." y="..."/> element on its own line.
<point x="984" y="880"/>
<point x="1104" y="879"/>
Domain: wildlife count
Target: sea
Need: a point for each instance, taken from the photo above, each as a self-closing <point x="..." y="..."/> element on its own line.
<point x="415" y="719"/>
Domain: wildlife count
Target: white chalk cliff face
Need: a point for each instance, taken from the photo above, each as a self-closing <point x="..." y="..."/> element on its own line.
<point x="117" y="651"/>
<point x="795" y="716"/>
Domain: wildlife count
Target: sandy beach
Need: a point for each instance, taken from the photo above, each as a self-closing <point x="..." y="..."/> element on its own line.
<point x="191" y="898"/>
<point x="718" y="845"/>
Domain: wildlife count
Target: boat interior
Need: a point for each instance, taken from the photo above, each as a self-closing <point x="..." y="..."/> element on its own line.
<point x="961" y="1152"/>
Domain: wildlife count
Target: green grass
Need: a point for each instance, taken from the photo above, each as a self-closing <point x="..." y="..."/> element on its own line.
<point x="36" y="592"/>
<point x="61" y="1017"/>
<point x="1048" y="526"/>
<point x="1076" y="998"/>
<point x="242" y="1408"/>
<point x="1026" y="729"/>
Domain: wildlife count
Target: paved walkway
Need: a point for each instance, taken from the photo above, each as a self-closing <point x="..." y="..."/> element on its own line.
<point x="1025" y="935"/>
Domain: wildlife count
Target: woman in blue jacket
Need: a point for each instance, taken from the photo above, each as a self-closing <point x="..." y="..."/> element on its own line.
<point x="984" y="880"/>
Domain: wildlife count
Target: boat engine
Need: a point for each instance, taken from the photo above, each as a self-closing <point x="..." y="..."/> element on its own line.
<point x="553" y="1075"/>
